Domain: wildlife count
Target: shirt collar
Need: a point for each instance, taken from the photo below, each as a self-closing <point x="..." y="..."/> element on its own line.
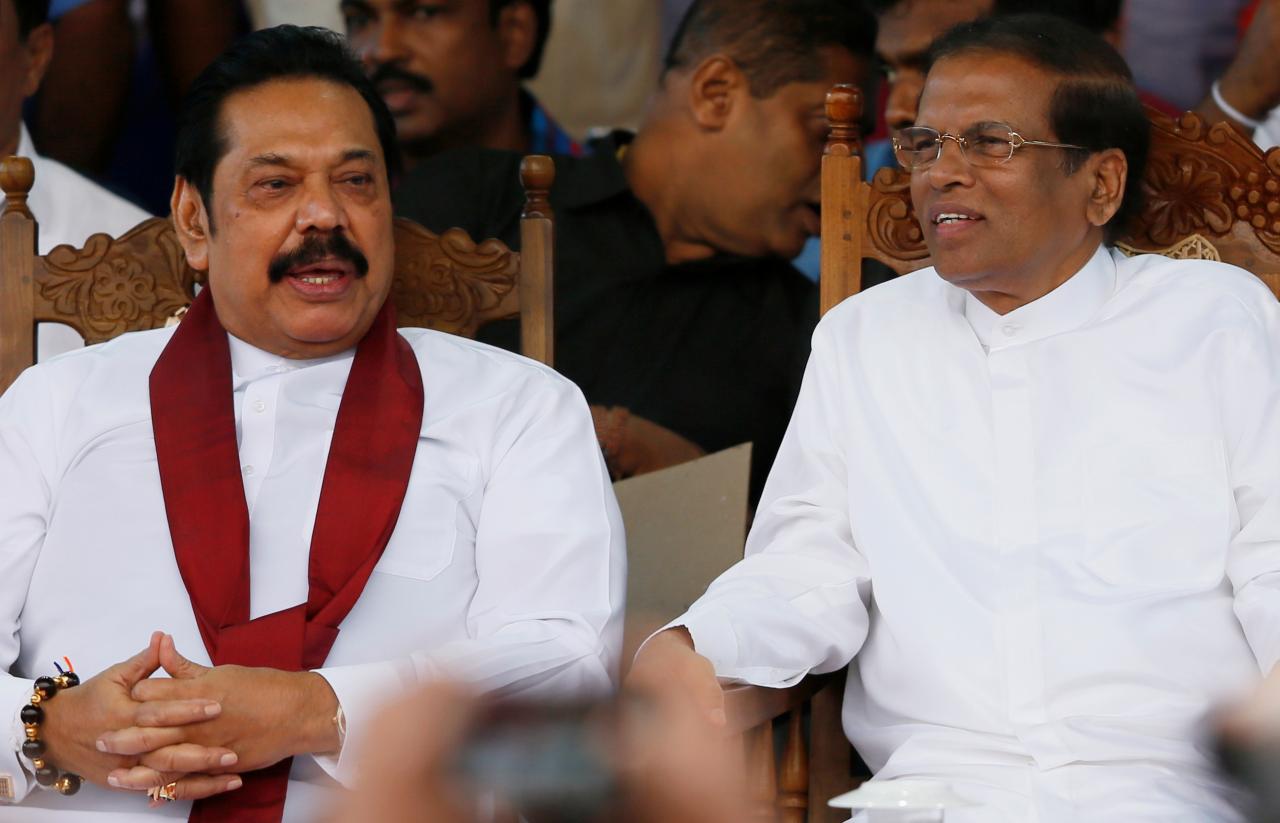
<point x="250" y="363"/>
<point x="1067" y="307"/>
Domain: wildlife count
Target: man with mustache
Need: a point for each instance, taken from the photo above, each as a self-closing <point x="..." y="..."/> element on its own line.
<point x="1033" y="490"/>
<point x="451" y="72"/>
<point x="317" y="510"/>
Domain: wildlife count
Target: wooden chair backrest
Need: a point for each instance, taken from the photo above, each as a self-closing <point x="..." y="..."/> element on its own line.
<point x="1211" y="194"/>
<point x="141" y="279"/>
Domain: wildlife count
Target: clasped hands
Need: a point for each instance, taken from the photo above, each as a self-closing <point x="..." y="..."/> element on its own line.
<point x="197" y="729"/>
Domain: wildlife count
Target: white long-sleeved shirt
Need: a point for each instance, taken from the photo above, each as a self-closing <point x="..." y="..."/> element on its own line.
<point x="506" y="568"/>
<point x="1051" y="538"/>
<point x="69" y="209"/>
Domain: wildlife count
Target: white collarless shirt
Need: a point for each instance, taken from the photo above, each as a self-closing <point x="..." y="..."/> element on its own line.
<point x="506" y="568"/>
<point x="1051" y="538"/>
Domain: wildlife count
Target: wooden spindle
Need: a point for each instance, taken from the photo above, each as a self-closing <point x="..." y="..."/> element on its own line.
<point x="793" y="776"/>
<point x="537" y="238"/>
<point x="762" y="773"/>
<point x="18" y="235"/>
<point x="844" y="205"/>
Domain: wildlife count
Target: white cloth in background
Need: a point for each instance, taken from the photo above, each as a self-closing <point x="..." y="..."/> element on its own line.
<point x="601" y="64"/>
<point x="506" y="568"/>
<point x="264" y="14"/>
<point x="1052" y="538"/>
<point x="1268" y="134"/>
<point x="68" y="209"/>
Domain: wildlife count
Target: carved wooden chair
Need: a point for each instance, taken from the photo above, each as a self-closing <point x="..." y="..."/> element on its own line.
<point x="141" y="280"/>
<point x="1211" y="195"/>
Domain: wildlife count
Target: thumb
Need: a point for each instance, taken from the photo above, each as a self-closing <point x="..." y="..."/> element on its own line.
<point x="143" y="664"/>
<point x="177" y="666"/>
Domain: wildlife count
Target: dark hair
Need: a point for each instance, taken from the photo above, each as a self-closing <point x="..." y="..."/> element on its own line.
<point x="1095" y="104"/>
<point x="879" y="7"/>
<point x="774" y="42"/>
<point x="283" y="52"/>
<point x="1095" y="15"/>
<point x="31" y="13"/>
<point x="542" y="9"/>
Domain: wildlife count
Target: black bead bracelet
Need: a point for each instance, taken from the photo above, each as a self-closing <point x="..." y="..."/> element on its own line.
<point x="33" y="747"/>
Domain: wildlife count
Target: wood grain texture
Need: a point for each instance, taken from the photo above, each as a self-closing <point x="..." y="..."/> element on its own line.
<point x="537" y="263"/>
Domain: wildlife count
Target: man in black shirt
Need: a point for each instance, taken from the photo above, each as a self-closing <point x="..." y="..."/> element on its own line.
<point x="674" y="298"/>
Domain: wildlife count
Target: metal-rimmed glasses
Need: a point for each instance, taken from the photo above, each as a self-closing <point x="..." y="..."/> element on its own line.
<point x="984" y="144"/>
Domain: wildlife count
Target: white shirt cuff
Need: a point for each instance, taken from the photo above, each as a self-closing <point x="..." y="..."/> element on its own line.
<point x="14" y="694"/>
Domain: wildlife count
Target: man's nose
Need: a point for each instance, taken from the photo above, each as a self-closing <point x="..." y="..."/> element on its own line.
<point x="382" y="42"/>
<point x="951" y="167"/>
<point x="903" y="100"/>
<point x="320" y="209"/>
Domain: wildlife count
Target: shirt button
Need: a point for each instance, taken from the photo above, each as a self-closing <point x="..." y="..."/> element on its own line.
<point x="248" y="470"/>
<point x="1009" y="329"/>
<point x="259" y="406"/>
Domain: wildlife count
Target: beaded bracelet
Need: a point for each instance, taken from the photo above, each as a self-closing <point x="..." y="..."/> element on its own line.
<point x="33" y="715"/>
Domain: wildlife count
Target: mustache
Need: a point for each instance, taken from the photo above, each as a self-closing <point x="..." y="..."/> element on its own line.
<point x="315" y="248"/>
<point x="390" y="71"/>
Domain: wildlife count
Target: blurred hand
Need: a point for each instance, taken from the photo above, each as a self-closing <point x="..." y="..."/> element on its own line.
<point x="1255" y="720"/>
<point x="677" y="768"/>
<point x="405" y="774"/>
<point x="667" y="670"/>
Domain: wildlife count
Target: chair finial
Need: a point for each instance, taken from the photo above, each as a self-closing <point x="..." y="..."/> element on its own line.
<point x="844" y="111"/>
<point x="17" y="176"/>
<point x="537" y="175"/>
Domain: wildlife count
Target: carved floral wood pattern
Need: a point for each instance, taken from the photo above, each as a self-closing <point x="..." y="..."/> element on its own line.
<point x="111" y="286"/>
<point x="892" y="234"/>
<point x="1210" y="180"/>
<point x="141" y="280"/>
<point x="451" y="283"/>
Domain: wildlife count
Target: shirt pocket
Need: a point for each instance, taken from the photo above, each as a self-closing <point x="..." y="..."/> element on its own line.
<point x="433" y="519"/>
<point x="1158" y="514"/>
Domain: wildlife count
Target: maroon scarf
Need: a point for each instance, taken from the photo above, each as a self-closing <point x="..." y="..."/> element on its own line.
<point x="370" y="458"/>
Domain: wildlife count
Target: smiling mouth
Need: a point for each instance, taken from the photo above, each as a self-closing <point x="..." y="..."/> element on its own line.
<point x="950" y="218"/>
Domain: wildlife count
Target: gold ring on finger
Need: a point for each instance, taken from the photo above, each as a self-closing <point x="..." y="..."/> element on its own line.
<point x="166" y="792"/>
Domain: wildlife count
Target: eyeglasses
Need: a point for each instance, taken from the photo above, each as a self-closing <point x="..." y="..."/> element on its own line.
<point x="985" y="145"/>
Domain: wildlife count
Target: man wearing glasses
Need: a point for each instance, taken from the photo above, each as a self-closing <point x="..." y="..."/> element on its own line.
<point x="1033" y="492"/>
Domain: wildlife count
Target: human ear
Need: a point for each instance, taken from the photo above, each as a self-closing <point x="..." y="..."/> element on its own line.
<point x="191" y="223"/>
<point x="1109" y="170"/>
<point x="714" y="87"/>
<point x="518" y="34"/>
<point x="39" y="51"/>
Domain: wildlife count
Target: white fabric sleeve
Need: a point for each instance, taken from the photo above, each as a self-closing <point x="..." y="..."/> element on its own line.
<point x="797" y="603"/>
<point x="546" y="618"/>
<point x="27" y="455"/>
<point x="1251" y="413"/>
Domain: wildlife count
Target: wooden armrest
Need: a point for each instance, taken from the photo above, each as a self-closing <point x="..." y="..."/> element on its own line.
<point x="750" y="706"/>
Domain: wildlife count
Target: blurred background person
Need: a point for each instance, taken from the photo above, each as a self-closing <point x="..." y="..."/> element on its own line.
<point x="678" y="312"/>
<point x="70" y="207"/>
<point x="453" y="73"/>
